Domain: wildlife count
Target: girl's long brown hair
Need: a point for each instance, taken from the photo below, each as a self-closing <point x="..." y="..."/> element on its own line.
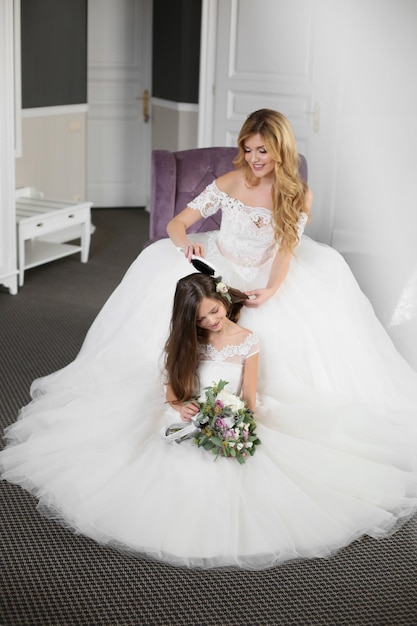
<point x="181" y="348"/>
<point x="288" y="190"/>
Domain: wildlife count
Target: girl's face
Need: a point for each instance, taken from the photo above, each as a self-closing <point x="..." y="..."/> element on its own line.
<point x="211" y="315"/>
<point x="257" y="157"/>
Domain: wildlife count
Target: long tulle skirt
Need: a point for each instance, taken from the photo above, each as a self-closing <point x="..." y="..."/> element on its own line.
<point x="337" y="416"/>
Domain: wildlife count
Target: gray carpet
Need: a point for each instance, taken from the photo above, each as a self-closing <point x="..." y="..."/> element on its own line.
<point x="50" y="576"/>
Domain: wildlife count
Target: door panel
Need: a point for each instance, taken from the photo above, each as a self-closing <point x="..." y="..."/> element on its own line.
<point x="119" y="71"/>
<point x="280" y="54"/>
<point x="263" y="63"/>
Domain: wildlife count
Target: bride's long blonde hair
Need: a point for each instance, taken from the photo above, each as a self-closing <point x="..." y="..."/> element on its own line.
<point x="288" y="190"/>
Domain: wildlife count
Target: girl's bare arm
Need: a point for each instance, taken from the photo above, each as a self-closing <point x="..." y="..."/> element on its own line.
<point x="186" y="411"/>
<point x="250" y="381"/>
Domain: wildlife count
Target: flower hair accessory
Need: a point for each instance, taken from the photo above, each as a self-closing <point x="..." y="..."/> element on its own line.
<point x="222" y="289"/>
<point x="203" y="266"/>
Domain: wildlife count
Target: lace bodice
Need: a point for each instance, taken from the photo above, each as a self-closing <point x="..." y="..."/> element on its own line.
<point x="226" y="364"/>
<point x="246" y="235"/>
<point x="233" y="353"/>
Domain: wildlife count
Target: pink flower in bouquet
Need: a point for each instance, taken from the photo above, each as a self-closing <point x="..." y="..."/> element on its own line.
<point x="221" y="423"/>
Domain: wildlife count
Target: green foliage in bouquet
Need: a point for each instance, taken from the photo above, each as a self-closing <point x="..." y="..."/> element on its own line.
<point x="226" y="425"/>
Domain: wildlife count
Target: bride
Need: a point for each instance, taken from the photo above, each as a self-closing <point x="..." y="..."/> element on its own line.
<point x="336" y="403"/>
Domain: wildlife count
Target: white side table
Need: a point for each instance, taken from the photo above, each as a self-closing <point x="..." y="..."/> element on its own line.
<point x="39" y="218"/>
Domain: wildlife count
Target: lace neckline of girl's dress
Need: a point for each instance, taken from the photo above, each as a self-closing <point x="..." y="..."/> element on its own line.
<point x="240" y="349"/>
<point x="239" y="202"/>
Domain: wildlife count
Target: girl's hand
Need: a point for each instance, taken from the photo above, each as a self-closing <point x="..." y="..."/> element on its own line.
<point x="188" y="411"/>
<point x="193" y="248"/>
<point x="258" y="296"/>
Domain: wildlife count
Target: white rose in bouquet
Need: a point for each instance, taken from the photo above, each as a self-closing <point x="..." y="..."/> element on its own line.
<point x="230" y="400"/>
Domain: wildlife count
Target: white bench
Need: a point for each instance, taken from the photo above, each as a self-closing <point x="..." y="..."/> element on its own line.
<point x="45" y="224"/>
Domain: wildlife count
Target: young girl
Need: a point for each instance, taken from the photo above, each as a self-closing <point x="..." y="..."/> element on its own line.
<point x="206" y="344"/>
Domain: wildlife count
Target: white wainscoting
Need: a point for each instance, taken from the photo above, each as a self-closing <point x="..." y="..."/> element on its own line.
<point x="174" y="125"/>
<point x="54" y="151"/>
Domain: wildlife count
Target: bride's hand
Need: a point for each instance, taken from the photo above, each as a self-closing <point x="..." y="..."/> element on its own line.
<point x="256" y="297"/>
<point x="193" y="248"/>
<point x="188" y="411"/>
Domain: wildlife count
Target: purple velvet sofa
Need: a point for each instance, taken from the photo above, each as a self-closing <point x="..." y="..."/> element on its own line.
<point x="178" y="177"/>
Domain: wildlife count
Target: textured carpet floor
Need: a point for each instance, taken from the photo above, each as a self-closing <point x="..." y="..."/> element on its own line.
<point x="51" y="577"/>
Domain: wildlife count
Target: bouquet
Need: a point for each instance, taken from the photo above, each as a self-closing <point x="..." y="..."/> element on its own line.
<point x="224" y="425"/>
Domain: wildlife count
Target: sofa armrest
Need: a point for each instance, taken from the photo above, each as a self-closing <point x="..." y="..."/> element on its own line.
<point x="163" y="191"/>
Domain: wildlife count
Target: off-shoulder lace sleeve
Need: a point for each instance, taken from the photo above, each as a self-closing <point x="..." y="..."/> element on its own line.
<point x="209" y="201"/>
<point x="301" y="224"/>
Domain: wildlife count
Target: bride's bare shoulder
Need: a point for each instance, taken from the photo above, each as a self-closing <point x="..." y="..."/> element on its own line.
<point x="231" y="182"/>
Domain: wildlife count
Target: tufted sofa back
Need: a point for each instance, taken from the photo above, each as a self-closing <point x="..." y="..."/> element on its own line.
<point x="178" y="177"/>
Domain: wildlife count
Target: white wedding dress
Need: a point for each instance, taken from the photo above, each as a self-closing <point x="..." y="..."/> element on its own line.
<point x="337" y="416"/>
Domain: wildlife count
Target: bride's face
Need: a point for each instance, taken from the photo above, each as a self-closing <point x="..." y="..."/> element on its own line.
<point x="211" y="315"/>
<point x="260" y="162"/>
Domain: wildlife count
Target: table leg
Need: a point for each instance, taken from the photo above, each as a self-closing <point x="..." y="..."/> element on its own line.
<point x="21" y="257"/>
<point x="85" y="240"/>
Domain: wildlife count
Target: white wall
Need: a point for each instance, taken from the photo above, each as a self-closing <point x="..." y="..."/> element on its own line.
<point x="375" y="205"/>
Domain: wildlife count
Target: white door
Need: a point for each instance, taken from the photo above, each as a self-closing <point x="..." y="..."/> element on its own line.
<point x="275" y="54"/>
<point x="8" y="269"/>
<point x="119" y="74"/>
